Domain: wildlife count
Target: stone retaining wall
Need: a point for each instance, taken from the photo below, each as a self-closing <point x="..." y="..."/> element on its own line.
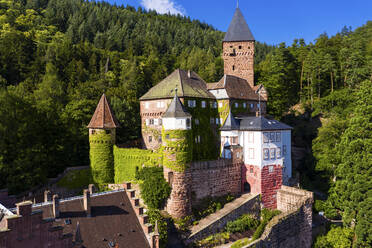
<point x="229" y="213"/>
<point x="292" y="228"/>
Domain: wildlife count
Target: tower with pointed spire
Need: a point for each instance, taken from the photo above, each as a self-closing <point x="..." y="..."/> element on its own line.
<point x="102" y="133"/>
<point x="177" y="156"/>
<point x="238" y="49"/>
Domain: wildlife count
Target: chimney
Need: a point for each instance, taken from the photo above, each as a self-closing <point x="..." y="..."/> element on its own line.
<point x="91" y="188"/>
<point x="24" y="208"/>
<point x="47" y="196"/>
<point x="56" y="206"/>
<point x="87" y="202"/>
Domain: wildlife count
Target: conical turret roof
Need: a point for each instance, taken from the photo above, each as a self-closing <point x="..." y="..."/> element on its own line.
<point x="238" y="29"/>
<point x="103" y="117"/>
<point x="176" y="109"/>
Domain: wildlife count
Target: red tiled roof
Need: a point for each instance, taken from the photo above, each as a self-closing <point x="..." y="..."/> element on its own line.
<point x="103" y="116"/>
<point x="112" y="219"/>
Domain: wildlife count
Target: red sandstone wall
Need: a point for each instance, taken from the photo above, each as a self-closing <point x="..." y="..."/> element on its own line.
<point x="179" y="202"/>
<point x="243" y="60"/>
<point x="252" y="175"/>
<point x="215" y="178"/>
<point x="270" y="184"/>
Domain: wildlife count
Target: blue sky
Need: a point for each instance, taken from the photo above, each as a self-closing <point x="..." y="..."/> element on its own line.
<point x="271" y="21"/>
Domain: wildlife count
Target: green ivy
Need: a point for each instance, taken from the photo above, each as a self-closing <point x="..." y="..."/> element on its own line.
<point x="177" y="144"/>
<point x="156" y="216"/>
<point x="154" y="189"/>
<point x="243" y="223"/>
<point x="101" y="157"/>
<point x="128" y="160"/>
<point x="208" y="148"/>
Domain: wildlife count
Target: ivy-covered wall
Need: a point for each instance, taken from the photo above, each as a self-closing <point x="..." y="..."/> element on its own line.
<point x="208" y="147"/>
<point x="127" y="160"/>
<point x="177" y="149"/>
<point x="101" y="156"/>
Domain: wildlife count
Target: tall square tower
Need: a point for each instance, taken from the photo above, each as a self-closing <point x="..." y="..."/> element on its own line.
<point x="238" y="49"/>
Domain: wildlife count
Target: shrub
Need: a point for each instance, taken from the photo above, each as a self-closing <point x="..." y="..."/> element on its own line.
<point x="240" y="243"/>
<point x="336" y="237"/>
<point x="154" y="189"/>
<point x="214" y="240"/>
<point x="266" y="215"/>
<point x="76" y="179"/>
<point x="210" y="205"/>
<point x="155" y="215"/>
<point x="243" y="223"/>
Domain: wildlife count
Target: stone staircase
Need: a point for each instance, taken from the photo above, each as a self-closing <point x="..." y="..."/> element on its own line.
<point x="234" y="209"/>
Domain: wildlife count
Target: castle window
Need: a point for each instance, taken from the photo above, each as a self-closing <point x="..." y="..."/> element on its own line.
<point x="231" y="46"/>
<point x="236" y="105"/>
<point x="274" y="183"/>
<point x="251" y="153"/>
<point x="266" y="153"/>
<point x="244" y="105"/>
<point x="234" y="140"/>
<point x="196" y="121"/>
<point x="147" y="121"/>
<point x="271" y="169"/>
<point x="150" y="139"/>
<point x="266" y="137"/>
<point x="278" y="137"/>
<point x="188" y="122"/>
<point x="272" y="137"/>
<point x="251" y="170"/>
<point x="250" y="137"/>
<point x="252" y="105"/>
<point x="160" y="104"/>
<point x="233" y="67"/>
<point x="240" y="47"/>
<point x="156" y="121"/>
<point x="167" y="136"/>
<point x="278" y="152"/>
<point x="151" y="121"/>
<point x="212" y="120"/>
<point x="284" y="150"/>
<point x="203" y="104"/>
<point x="214" y="104"/>
<point x="249" y="47"/>
<point x="220" y="104"/>
<point x="272" y="153"/>
<point x="160" y="122"/>
<point x="147" y="105"/>
<point x="191" y="103"/>
<point x="217" y="121"/>
<point x="198" y="138"/>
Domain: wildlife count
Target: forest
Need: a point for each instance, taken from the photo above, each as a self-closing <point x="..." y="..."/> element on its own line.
<point x="57" y="57"/>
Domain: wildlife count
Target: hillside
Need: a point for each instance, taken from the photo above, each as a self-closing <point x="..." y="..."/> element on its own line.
<point x="58" y="56"/>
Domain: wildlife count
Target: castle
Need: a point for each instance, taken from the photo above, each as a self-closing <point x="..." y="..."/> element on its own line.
<point x="211" y="138"/>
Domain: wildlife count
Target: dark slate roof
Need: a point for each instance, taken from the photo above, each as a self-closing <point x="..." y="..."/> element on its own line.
<point x="236" y="88"/>
<point x="103" y="117"/>
<point x="261" y="124"/>
<point x="231" y="123"/>
<point x="238" y="29"/>
<point x="189" y="84"/>
<point x="112" y="219"/>
<point x="176" y="109"/>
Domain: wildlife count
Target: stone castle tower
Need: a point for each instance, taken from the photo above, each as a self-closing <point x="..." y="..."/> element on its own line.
<point x="177" y="156"/>
<point x="238" y="49"/>
<point x="102" y="133"/>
